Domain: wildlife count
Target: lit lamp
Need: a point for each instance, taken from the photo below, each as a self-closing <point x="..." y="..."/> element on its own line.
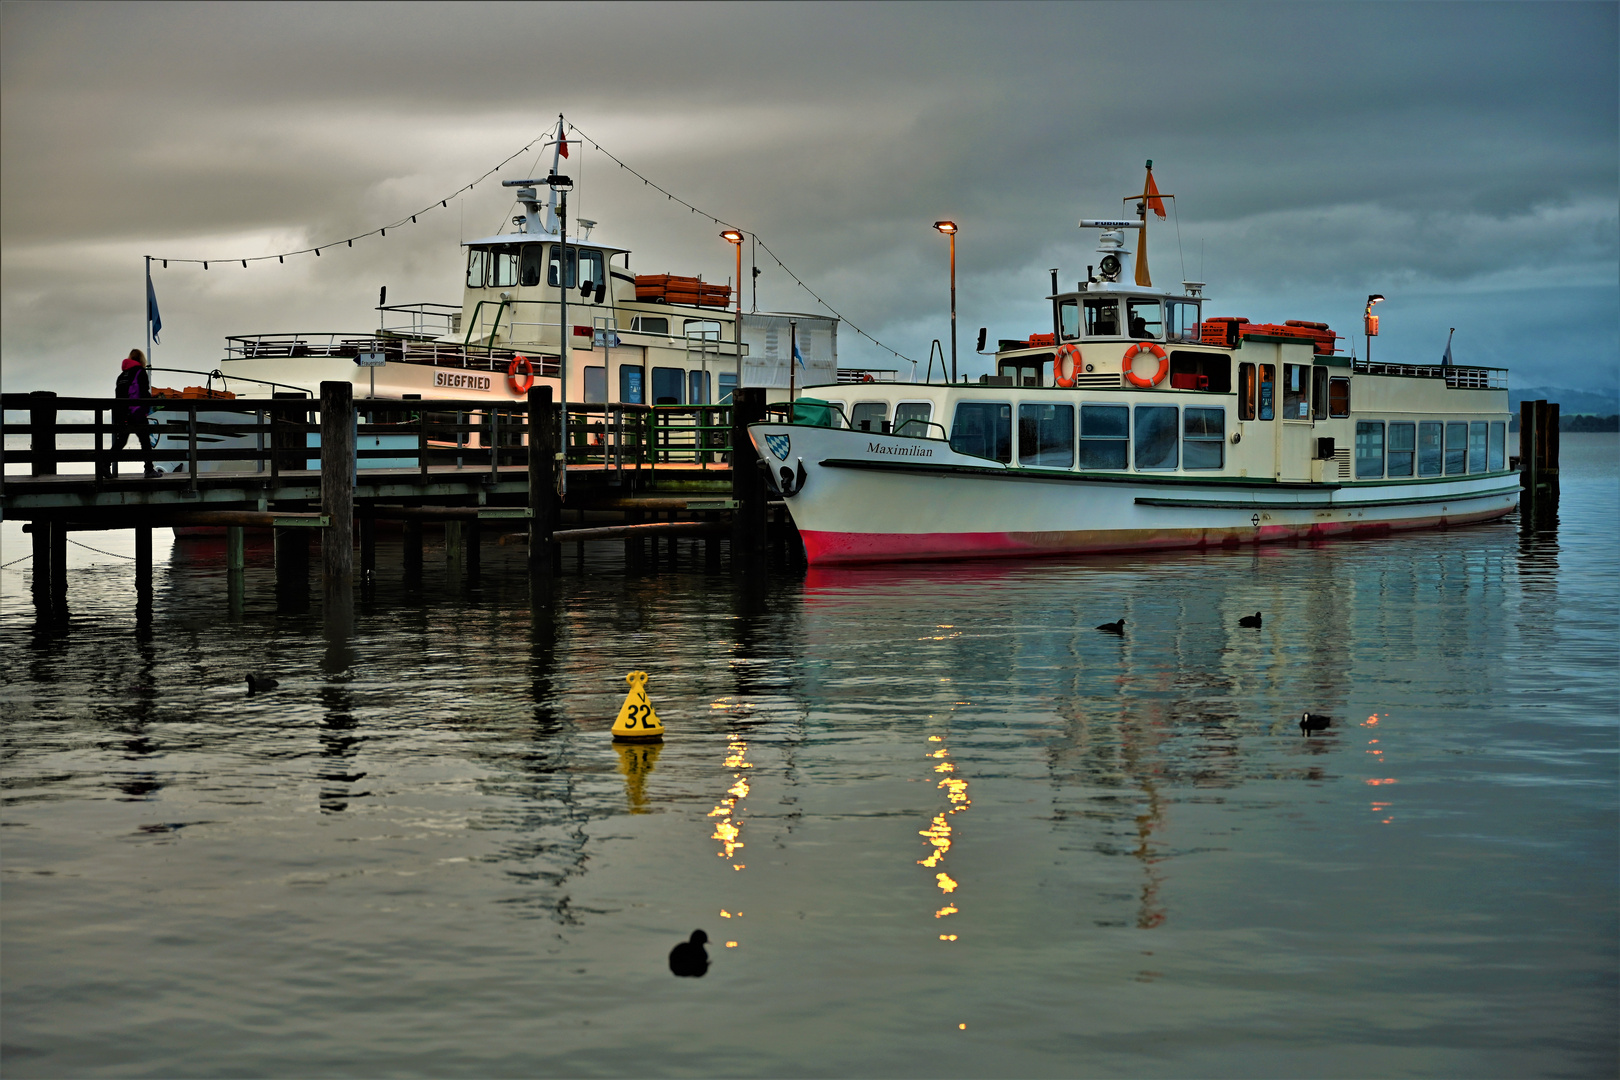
<point x="949" y="229"/>
<point x="1370" y="322"/>
<point x="735" y="239"/>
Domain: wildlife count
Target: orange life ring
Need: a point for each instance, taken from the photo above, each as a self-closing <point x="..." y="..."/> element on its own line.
<point x="1158" y="377"/>
<point x="520" y="386"/>
<point x="1071" y="353"/>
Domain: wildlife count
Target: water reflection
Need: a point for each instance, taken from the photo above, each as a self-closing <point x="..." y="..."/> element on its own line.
<point x="939" y="833"/>
<point x="636" y="763"/>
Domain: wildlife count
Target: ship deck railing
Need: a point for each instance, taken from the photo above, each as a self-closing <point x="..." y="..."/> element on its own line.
<point x="339" y="344"/>
<point x="1457" y="378"/>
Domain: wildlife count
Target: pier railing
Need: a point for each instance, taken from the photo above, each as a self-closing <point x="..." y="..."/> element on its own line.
<point x="52" y="435"/>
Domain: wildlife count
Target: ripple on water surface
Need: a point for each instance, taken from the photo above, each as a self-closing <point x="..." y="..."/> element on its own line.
<point x="930" y="818"/>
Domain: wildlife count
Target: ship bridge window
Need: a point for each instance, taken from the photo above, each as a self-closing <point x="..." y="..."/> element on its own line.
<point x="1102" y="317"/>
<point x="650" y="324"/>
<point x="1268" y="391"/>
<point x="1431" y="456"/>
<point x="668" y="386"/>
<point x="915" y="413"/>
<point x="1296" y="392"/>
<point x="529" y="265"/>
<point x="1181" y="322"/>
<point x="1156" y="441"/>
<point x="983" y="429"/>
<point x="1069" y="319"/>
<point x="584" y="267"/>
<point x="697" y="383"/>
<point x="631" y="378"/>
<point x="595" y="384"/>
<point x="1046" y="435"/>
<point x="1338" y="397"/>
<point x="1104" y="430"/>
<point x="477" y="267"/>
<point x="1245" y="391"/>
<point x="709" y="330"/>
<point x="1144" y="319"/>
<point x="868" y="415"/>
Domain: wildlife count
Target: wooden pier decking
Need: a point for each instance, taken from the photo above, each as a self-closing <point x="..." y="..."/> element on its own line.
<point x="622" y="473"/>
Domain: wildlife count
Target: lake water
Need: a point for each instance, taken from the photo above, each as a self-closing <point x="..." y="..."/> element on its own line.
<point x="933" y="822"/>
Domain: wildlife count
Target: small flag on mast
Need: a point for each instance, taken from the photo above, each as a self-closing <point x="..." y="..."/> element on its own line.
<point x="152" y="315"/>
<point x="1150" y="193"/>
<point x="799" y="356"/>
<point x="562" y="142"/>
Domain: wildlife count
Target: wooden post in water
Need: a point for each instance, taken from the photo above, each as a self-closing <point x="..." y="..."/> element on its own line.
<point x="143" y="564"/>
<point x="59" y="531"/>
<point x="452" y="543"/>
<point x="337" y="486"/>
<point x="747" y="485"/>
<point x="472" y="538"/>
<point x="235" y="567"/>
<point x="413" y="550"/>
<point x="545" y="452"/>
<point x="1538" y="458"/>
<point x="368" y="544"/>
<point x="292" y="561"/>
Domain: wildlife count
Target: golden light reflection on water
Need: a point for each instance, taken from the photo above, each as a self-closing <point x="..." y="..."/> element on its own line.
<point x="1376" y="752"/>
<point x="939" y="833"/>
<point x="728" y="829"/>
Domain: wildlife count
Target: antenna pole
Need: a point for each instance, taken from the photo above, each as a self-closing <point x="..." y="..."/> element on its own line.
<point x="148" y="300"/>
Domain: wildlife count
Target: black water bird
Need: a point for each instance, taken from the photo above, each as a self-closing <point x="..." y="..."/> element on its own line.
<point x="1250" y="620"/>
<point x="258" y="684"/>
<point x="1113" y="628"/>
<point x="1309" y="722"/>
<point x="689" y="959"/>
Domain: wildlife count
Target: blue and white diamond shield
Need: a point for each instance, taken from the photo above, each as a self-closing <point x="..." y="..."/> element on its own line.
<point x="780" y="445"/>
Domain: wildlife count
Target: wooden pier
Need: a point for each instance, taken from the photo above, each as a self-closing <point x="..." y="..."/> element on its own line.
<point x="339" y="466"/>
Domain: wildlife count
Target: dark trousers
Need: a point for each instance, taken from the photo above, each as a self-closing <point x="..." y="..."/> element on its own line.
<point x="123" y="428"/>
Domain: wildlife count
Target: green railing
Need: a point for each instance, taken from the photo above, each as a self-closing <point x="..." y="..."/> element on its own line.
<point x="639" y="436"/>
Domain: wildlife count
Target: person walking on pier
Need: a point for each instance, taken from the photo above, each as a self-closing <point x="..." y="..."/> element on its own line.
<point x="130" y="416"/>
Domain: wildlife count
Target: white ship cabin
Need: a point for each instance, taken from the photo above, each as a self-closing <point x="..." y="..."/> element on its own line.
<point x="1138" y="380"/>
<point x="657" y="339"/>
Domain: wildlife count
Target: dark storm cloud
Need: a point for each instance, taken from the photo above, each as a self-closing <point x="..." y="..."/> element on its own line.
<point x="1453" y="151"/>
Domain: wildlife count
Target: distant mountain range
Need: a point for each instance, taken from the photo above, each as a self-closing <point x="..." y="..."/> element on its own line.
<point x="1570" y="402"/>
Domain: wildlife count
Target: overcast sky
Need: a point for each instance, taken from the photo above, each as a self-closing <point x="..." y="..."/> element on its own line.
<point x="1461" y="159"/>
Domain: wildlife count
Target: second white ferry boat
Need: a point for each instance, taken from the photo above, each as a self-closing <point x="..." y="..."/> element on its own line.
<point x="1140" y="423"/>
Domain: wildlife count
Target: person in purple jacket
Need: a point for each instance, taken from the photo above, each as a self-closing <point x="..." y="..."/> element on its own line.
<point x="130" y="414"/>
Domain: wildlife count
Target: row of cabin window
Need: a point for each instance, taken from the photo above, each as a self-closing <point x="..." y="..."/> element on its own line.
<point x="670" y="386"/>
<point x="1143" y="319"/>
<point x="1429" y="448"/>
<point x="1308" y="392"/>
<point x="519" y="264"/>
<point x="1157" y="437"/>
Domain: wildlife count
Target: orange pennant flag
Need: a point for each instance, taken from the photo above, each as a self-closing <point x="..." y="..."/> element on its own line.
<point x="1151" y="193"/>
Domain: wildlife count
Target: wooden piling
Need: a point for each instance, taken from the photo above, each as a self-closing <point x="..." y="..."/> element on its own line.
<point x="747" y="483"/>
<point x="413" y="550"/>
<point x="292" y="560"/>
<point x="545" y="450"/>
<point x="368" y="544"/>
<point x="337" y="486"/>
<point x="452" y="543"/>
<point x="473" y="556"/>
<point x="42" y="428"/>
<point x="1538" y="458"/>
<point x="59" y="531"/>
<point x="143" y="563"/>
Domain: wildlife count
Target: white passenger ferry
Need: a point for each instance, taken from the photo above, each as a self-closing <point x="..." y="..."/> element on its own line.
<point x="1140" y="423"/>
<point x="549" y="291"/>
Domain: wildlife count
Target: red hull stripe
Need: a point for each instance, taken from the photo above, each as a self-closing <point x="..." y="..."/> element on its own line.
<point x="822" y="548"/>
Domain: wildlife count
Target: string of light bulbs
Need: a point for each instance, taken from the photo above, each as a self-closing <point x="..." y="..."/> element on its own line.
<point x="380" y="231"/>
<point x="672" y="197"/>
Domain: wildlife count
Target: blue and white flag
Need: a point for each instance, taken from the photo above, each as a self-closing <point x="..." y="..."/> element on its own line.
<point x="152" y="315"/>
<point x="799" y="356"/>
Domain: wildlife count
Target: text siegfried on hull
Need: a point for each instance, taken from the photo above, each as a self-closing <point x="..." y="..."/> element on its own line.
<point x="456" y="380"/>
<point x="899" y="451"/>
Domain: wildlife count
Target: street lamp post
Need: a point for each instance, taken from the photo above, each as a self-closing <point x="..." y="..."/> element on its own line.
<point x="949" y="229"/>
<point x="1370" y="322"/>
<point x="563" y="185"/>
<point x="735" y="239"/>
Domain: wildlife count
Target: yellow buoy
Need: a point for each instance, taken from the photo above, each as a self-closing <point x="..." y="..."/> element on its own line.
<point x="637" y="722"/>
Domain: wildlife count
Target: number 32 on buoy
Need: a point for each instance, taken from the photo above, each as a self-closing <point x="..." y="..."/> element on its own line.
<point x="1130" y="364"/>
<point x="637" y="721"/>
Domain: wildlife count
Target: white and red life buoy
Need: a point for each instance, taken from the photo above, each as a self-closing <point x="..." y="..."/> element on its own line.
<point x="520" y="385"/>
<point x="1066" y="365"/>
<point x="1130" y="371"/>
